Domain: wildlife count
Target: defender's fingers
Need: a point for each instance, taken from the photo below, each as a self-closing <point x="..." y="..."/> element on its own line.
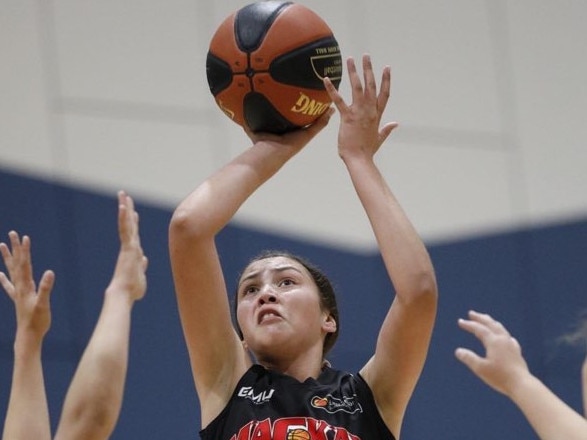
<point x="480" y="330"/>
<point x="469" y="358"/>
<point x="14" y="251"/>
<point x="5" y="251"/>
<point x="488" y="321"/>
<point x="46" y="286"/>
<point x="6" y="284"/>
<point x="130" y="202"/>
<point x="24" y="257"/>
<point x="14" y="238"/>
<point x="127" y="217"/>
<point x="132" y="217"/>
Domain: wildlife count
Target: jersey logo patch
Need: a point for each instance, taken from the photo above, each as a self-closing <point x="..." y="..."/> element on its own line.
<point x="262" y="397"/>
<point x="333" y="404"/>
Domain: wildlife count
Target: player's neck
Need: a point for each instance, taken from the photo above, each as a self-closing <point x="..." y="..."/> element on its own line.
<point x="300" y="368"/>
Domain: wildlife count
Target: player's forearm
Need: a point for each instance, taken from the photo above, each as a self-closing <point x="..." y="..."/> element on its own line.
<point x="402" y="249"/>
<point x="213" y="204"/>
<point x="551" y="418"/>
<point x="107" y="352"/>
<point x="93" y="402"/>
<point x="27" y="416"/>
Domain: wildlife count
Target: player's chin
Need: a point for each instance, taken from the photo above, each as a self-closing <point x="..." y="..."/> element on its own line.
<point x="270" y="338"/>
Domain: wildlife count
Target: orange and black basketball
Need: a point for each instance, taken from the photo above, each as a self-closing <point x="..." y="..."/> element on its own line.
<point x="266" y="64"/>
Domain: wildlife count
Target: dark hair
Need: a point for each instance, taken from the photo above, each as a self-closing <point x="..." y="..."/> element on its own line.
<point x="325" y="289"/>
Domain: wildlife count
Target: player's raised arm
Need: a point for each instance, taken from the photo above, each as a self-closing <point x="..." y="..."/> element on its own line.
<point x="403" y="341"/>
<point x="216" y="354"/>
<point x="27" y="416"/>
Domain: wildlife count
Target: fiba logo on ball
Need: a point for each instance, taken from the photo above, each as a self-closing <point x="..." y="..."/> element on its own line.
<point x="266" y="64"/>
<point x="298" y="434"/>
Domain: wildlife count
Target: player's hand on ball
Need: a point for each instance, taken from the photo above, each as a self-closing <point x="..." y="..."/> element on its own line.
<point x="296" y="139"/>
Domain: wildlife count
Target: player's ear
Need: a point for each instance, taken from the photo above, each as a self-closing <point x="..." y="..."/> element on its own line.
<point x="329" y="324"/>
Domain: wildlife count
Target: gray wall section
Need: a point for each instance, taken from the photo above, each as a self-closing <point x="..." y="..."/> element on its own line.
<point x="533" y="280"/>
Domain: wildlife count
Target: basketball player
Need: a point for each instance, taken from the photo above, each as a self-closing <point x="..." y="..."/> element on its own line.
<point x="275" y="383"/>
<point x="93" y="401"/>
<point x="504" y="369"/>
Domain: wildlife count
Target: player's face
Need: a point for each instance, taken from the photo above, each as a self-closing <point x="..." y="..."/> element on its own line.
<point x="279" y="307"/>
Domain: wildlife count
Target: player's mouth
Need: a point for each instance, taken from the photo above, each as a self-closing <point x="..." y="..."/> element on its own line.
<point x="268" y="315"/>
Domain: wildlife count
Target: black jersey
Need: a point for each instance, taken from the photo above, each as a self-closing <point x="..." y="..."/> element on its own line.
<point x="267" y="405"/>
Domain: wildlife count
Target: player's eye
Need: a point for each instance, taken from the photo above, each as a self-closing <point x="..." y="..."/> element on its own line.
<point x="248" y="290"/>
<point x="287" y="282"/>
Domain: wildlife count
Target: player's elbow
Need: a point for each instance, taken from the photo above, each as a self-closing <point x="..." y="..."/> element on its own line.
<point x="421" y="289"/>
<point x="100" y="423"/>
<point x="95" y="419"/>
<point x="186" y="224"/>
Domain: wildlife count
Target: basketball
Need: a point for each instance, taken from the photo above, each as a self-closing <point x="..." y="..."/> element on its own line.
<point x="298" y="434"/>
<point x="266" y="63"/>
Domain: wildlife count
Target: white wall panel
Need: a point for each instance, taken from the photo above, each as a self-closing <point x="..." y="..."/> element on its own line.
<point x="140" y="51"/>
<point x="550" y="68"/>
<point x="158" y="162"/>
<point x="25" y="140"/>
<point x="452" y="192"/>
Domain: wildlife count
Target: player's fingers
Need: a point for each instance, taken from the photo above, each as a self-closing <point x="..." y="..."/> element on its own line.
<point x="135" y="228"/>
<point x="369" y="77"/>
<point x="25" y="257"/>
<point x="335" y="97"/>
<point x="127" y="218"/>
<point x="123" y="227"/>
<point x="6" y="284"/>
<point x="130" y="202"/>
<point x="385" y="90"/>
<point x="516" y="343"/>
<point x="5" y="252"/>
<point x="46" y="286"/>
<point x="133" y="217"/>
<point x="14" y="238"/>
<point x="320" y="123"/>
<point x="480" y="330"/>
<point x="469" y="358"/>
<point x="121" y="197"/>
<point x="14" y="243"/>
<point x="487" y="320"/>
<point x="386" y="131"/>
<point x="356" y="86"/>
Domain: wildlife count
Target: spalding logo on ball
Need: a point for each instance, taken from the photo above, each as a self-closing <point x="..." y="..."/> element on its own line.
<point x="266" y="64"/>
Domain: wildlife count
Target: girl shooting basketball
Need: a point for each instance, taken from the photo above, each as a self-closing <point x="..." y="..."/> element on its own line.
<point x="275" y="380"/>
